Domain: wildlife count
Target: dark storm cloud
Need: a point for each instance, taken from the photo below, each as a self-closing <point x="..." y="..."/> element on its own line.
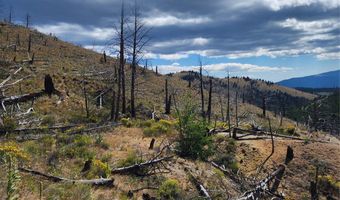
<point x="248" y="28"/>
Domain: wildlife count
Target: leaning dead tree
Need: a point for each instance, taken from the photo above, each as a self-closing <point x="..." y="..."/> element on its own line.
<point x="95" y="182"/>
<point x="268" y="186"/>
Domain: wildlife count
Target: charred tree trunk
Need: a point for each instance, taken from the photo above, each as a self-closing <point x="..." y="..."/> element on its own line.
<point x="85" y="99"/>
<point x="201" y="88"/>
<point x="133" y="67"/>
<point x="264" y="106"/>
<point x="121" y="79"/>
<point x="209" y="101"/>
<point x="18" y="40"/>
<point x="104" y="57"/>
<point x="314" y="186"/>
<point x="221" y="104"/>
<point x="28" y="20"/>
<point x="29" y="43"/>
<point x="236" y="108"/>
<point x="122" y="58"/>
<point x="167" y="98"/>
<point x="113" y="104"/>
<point x="228" y="110"/>
<point x="49" y="86"/>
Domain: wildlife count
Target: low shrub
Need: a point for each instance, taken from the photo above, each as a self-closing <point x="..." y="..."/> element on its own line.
<point x="76" y="129"/>
<point x="226" y="153"/>
<point x="220" y="124"/>
<point x="169" y="189"/>
<point x="218" y="172"/>
<point x="131" y="159"/>
<point x="106" y="157"/>
<point x="329" y="185"/>
<point x="9" y="124"/>
<point x="155" y="130"/>
<point x="78" y="117"/>
<point x="126" y="122"/>
<point x="68" y="191"/>
<point x="101" y="143"/>
<point x="98" y="169"/>
<point x="48" y="120"/>
<point x="166" y="123"/>
<point x="146" y="123"/>
<point x="290" y="130"/>
<point x="75" y="146"/>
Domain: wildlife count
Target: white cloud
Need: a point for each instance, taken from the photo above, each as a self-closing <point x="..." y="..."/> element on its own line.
<point x="169" y="20"/>
<point x="221" y="67"/>
<point x="150" y="55"/>
<point x="274" y="53"/>
<point x="310" y="38"/>
<point x="76" y="32"/>
<point x="242" y="67"/>
<point x="199" y="41"/>
<point x="329" y="56"/>
<point x="280" y="4"/>
<point x="311" y="27"/>
<point x="175" y="56"/>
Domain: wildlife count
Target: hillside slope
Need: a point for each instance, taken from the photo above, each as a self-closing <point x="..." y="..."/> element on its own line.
<point x="324" y="80"/>
<point x="70" y="66"/>
<point x="82" y="151"/>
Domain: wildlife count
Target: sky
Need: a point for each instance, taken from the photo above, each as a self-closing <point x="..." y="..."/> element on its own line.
<point x="266" y="39"/>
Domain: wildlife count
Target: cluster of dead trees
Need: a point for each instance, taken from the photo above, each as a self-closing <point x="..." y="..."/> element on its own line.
<point x="131" y="41"/>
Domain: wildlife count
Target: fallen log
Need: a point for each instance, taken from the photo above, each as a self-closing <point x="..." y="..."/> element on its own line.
<point x="263" y="188"/>
<point x="37" y="133"/>
<point x="21" y="98"/>
<point x="139" y="166"/>
<point x="40" y="129"/>
<point x="95" y="182"/>
<point x="199" y="186"/>
<point x="49" y="89"/>
<point x="10" y="77"/>
<point x="259" y="133"/>
<point x="239" y="182"/>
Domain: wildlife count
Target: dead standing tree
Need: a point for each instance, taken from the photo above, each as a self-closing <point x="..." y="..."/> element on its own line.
<point x="29" y="46"/>
<point x="202" y="89"/>
<point x="121" y="75"/>
<point x="236" y="108"/>
<point x="167" y="98"/>
<point x="228" y="108"/>
<point x="84" y="82"/>
<point x="209" y="101"/>
<point x="139" y="40"/>
<point x="28" y="20"/>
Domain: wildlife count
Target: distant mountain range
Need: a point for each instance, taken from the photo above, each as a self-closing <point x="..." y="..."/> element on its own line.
<point x="325" y="80"/>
